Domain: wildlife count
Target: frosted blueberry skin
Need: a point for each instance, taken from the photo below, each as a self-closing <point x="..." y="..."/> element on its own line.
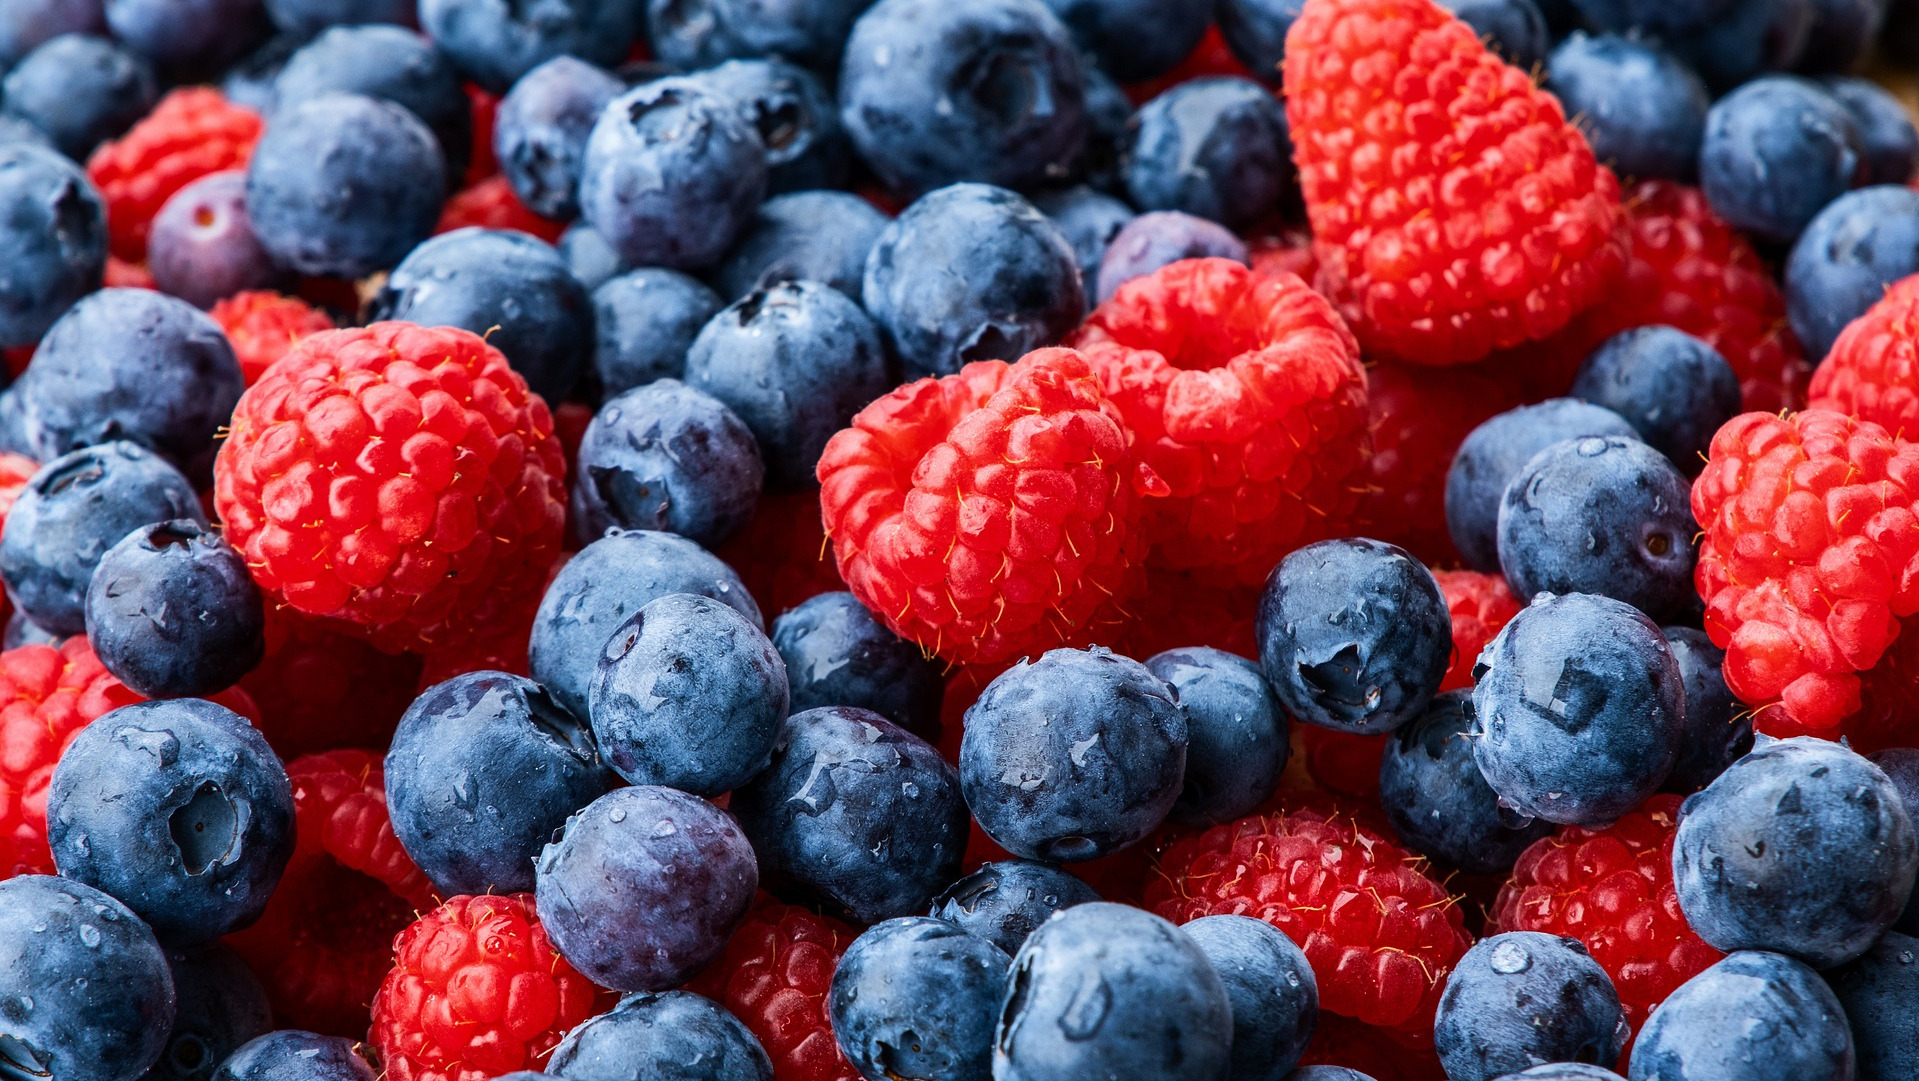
<point x="541" y="128"/>
<point x="53" y="228"/>
<point x="1218" y="148"/>
<point x="1718" y="729"/>
<point x="202" y="248"/>
<point x="695" y="34"/>
<point x="665" y="456"/>
<point x="1889" y="141"/>
<point x="212" y="628"/>
<point x="837" y="654"/>
<point x="80" y="90"/>
<point x="1901" y="767"/>
<point x="390" y="63"/>
<point x="494" y="42"/>
<point x="1524" y="997"/>
<point x="1776" y="152"/>
<point x="1858" y="245"/>
<point x="1877" y="990"/>
<point x="917" y="997"/>
<point x="1750" y="1009"/>
<point x="294" y="1055"/>
<point x="1004" y="902"/>
<point x="674" y="1034"/>
<point x="644" y="320"/>
<point x="1274" y="995"/>
<point x="1158" y="239"/>
<point x="1643" y="111"/>
<point x="1438" y="801"/>
<point x="1090" y="220"/>
<point x="1675" y="390"/>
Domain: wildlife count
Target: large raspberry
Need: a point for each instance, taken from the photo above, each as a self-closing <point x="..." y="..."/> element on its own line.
<point x="491" y="204"/>
<point x="263" y="325"/>
<point x="782" y="554"/>
<point x="477" y="991"/>
<point x="986" y="514"/>
<point x="773" y="976"/>
<point x="395" y="478"/>
<point x="1809" y="558"/>
<point x="320" y="689"/>
<point x="193" y="132"/>
<point x="1380" y="933"/>
<point x="1171" y="610"/>
<point x="1244" y="393"/>
<point x="1873" y="370"/>
<point x="1454" y="209"/>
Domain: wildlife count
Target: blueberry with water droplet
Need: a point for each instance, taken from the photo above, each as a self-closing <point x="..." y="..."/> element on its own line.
<point x="917" y="997"/>
<point x="676" y="1034"/>
<point x="1438" y="801"/>
<point x="1878" y="990"/>
<point x="1521" y="998"/>
<point x="295" y="1055"/>
<point x="1274" y="995"/>
<point x="172" y="611"/>
<point x="1004" y="902"/>
<point x="1236" y="745"/>
<point x="1754" y="1016"/>
<point x="837" y="653"/>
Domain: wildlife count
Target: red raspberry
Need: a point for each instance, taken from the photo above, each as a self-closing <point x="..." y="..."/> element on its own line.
<point x="1454" y="209"/>
<point x="1611" y="889"/>
<point x="774" y="976"/>
<point x="320" y="689"/>
<point x="1375" y="1052"/>
<point x="263" y="325"/>
<point x="1288" y="252"/>
<point x="1380" y="933"/>
<point x="476" y="991"/>
<point x="1480" y="606"/>
<point x="17" y="359"/>
<point x="484" y="106"/>
<point x="1172" y="610"/>
<point x="782" y="554"/>
<point x="395" y="478"/>
<point x="1873" y="370"/>
<point x="1245" y="394"/>
<point x="326" y="937"/>
<point x="497" y="649"/>
<point x="986" y="514"/>
<point x="1342" y="762"/>
<point x="1809" y="558"/>
<point x="491" y="204"/>
<point x="122" y="274"/>
<point x="191" y="133"/>
<point x="15" y="471"/>
<point x="1889" y="698"/>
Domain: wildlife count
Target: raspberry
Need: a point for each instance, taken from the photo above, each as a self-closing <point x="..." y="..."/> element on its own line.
<point x="1480" y="606"/>
<point x="989" y="513"/>
<point x="782" y="554"/>
<point x="491" y="204"/>
<point x="398" y="479"/>
<point x="476" y="991"/>
<point x="1873" y="370"/>
<point x="1342" y="762"/>
<point x="1173" y="610"/>
<point x="1809" y="557"/>
<point x="773" y="976"/>
<point x="498" y="649"/>
<point x="320" y="689"/>
<point x="15" y="471"/>
<point x="1288" y="252"/>
<point x="1611" y="889"/>
<point x="1244" y="393"/>
<point x="484" y="106"/>
<point x="325" y="939"/>
<point x="1454" y="210"/>
<point x="263" y="325"/>
<point x="1374" y="1052"/>
<point x="1889" y="698"/>
<point x="1381" y="935"/>
<point x="122" y="274"/>
<point x="191" y="133"/>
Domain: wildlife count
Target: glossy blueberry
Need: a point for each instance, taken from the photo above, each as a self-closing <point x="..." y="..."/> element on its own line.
<point x="695" y="34"/>
<point x="1090" y="219"/>
<point x="295" y="1055"/>
<point x="1775" y="153"/>
<point x="1578" y="709"/>
<point x="1718" y="730"/>
<point x="1327" y="1073"/>
<point x="1752" y="1016"/>
<point x="1100" y="775"/>
<point x="1216" y="148"/>
<point x="1255" y="30"/>
<point x="1564" y="1071"/>
<point x="1802" y="848"/>
<point x="795" y="116"/>
<point x="1747" y="39"/>
<point x="939" y="91"/>
<point x="672" y="174"/>
<point x="1353" y="635"/>
<point x="1515" y="29"/>
<point x="794" y="360"/>
<point x="202" y="246"/>
<point x="1641" y="108"/>
<point x="644" y="322"/>
<point x="644" y="886"/>
<point x="1495" y="452"/>
<point x="1674" y="389"/>
<point x="1004" y="902"/>
<point x="344" y="184"/>
<point x="599" y="587"/>
<point x="221" y="1005"/>
<point x="971" y="272"/>
<point x="1842" y="32"/>
<point x="494" y="42"/>
<point x="917" y="997"/>
<point x="1274" y="995"/>
<point x="1888" y="142"/>
<point x="1236" y="733"/>
<point x="189" y="35"/>
<point x="249" y="83"/>
<point x="73" y="510"/>
<point x="26" y="24"/>
<point x="590" y="257"/>
<point x="511" y="287"/>
<point x="1901" y="767"/>
<point x="1134" y="40"/>
<point x="101" y="993"/>
<point x="80" y="90"/>
<point x="837" y="654"/>
<point x="821" y="236"/>
<point x="1522" y="998"/>
<point x="1861" y="243"/>
<point x="1877" y="991"/>
<point x="540" y="132"/>
<point x="173" y="612"/>
<point x="53" y="234"/>
<point x="1650" y="15"/>
<point x="388" y="63"/>
<point x="857" y="812"/>
<point x="666" y="456"/>
<point x="22" y="631"/>
<point x="676" y="1035"/>
<point x="1437" y="800"/>
<point x="309" y="17"/>
<point x="1161" y="238"/>
<point x="1166" y="1014"/>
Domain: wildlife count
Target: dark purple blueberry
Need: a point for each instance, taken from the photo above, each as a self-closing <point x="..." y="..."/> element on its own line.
<point x="1674" y="389"/>
<point x="1718" y="730"/>
<point x="1091" y="219"/>
<point x="494" y="42"/>
<point x="1842" y="33"/>
<point x="1274" y="995"/>
<point x="1522" y="998"/>
<point x="837" y="654"/>
<point x="80" y="89"/>
<point x="1887" y="139"/>
<point x="1877" y="991"/>
<point x="1255" y="30"/>
<point x="666" y="456"/>
<point x="27" y="24"/>
<point x="1216" y="148"/>
<point x="202" y="247"/>
<point x="694" y="34"/>
<point x="309" y="17"/>
<point x="1749" y="38"/>
<point x="387" y="63"/>
<point x="821" y="236"/>
<point x="1776" y="152"/>
<point x="1857" y="246"/>
<point x="1161" y="238"/>
<point x="1004" y="902"/>
<point x="1236" y="733"/>
<point x="1515" y="29"/>
<point x="1643" y="111"/>
<point x="917" y="997"/>
<point x="1752" y="1015"/>
<point x="540" y="132"/>
<point x="1496" y="451"/>
<point x="1135" y="40"/>
<point x="294" y="1055"/>
<point x="1437" y="800"/>
<point x="189" y="36"/>
<point x="794" y="114"/>
<point x="644" y="322"/>
<point x="53" y="228"/>
<point x="173" y="612"/>
<point x="221" y="1005"/>
<point x="676" y="1034"/>
<point x="1901" y="767"/>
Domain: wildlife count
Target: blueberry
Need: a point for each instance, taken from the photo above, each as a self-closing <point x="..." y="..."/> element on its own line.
<point x="173" y="612"/>
<point x="1802" y="847"/>
<point x="797" y="121"/>
<point x="494" y="42"/>
<point x="1274" y="996"/>
<point x="189" y="35"/>
<point x="590" y="257"/>
<point x="1901" y="767"/>
<point x="295" y="1055"/>
<point x="1327" y="1073"/>
<point x="696" y="34"/>
<point x="1135" y="40"/>
<point x="939" y="91"/>
<point x="1090" y="218"/>
<point x="917" y="997"/>
<point x="15" y="130"/>
<point x="80" y="90"/>
<point x="1151" y="241"/>
<point x="53" y="237"/>
<point x="666" y="456"/>
<point x="1107" y="990"/>
<point x="1521" y="998"/>
<point x="1776" y="152"/>
<point x="249" y="83"/>
<point x="389" y="63"/>
<point x="1103" y="771"/>
<point x="1255" y="30"/>
<point x="1515" y="29"/>
<point x="1564" y="1071"/>
<point x="1887" y="139"/>
<point x="484" y="768"/>
<point x="857" y="812"/>
<point x="1353" y="635"/>
<point x="1496" y="451"/>
<point x="344" y="185"/>
<point x="98" y="994"/>
<point x="821" y="236"/>
<point x="511" y="287"/>
<point x="645" y="321"/>
<point x="1578" y="710"/>
<point x="644" y="886"/>
<point x="1437" y="800"/>
<point x="221" y="1005"/>
<point x="969" y="273"/>
<point x="689" y="694"/>
<point x="795" y="361"/>
<point x="309" y="17"/>
<point x="1674" y="389"/>
<point x="540" y="132"/>
<point x="1004" y="902"/>
<point x="1842" y="32"/>
<point x="1108" y="114"/>
<point x="1718" y="730"/>
<point x="1641" y="108"/>
<point x="672" y="175"/>
<point x="22" y="631"/>
<point x="1840" y="266"/>
<point x="598" y="588"/>
<point x="676" y="1034"/>
<point x="837" y="654"/>
<point x="1216" y="148"/>
<point x="1750" y="1017"/>
<point x="1748" y="38"/>
<point x="73" y="510"/>
<point x="1877" y="991"/>
<point x="202" y="246"/>
<point x="1236" y="744"/>
<point x="26" y="24"/>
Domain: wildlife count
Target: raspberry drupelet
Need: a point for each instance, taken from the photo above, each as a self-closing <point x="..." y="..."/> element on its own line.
<point x="1873" y="370"/>
<point x="774" y="976"/>
<point x="263" y="326"/>
<point x="491" y="204"/>
<point x="193" y="132"/>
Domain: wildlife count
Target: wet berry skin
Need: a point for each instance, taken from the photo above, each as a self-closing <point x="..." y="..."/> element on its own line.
<point x="1723" y="1020"/>
<point x="172" y="611"/>
<point x="666" y="456"/>
<point x="277" y="1055"/>
<point x="1274" y="995"/>
<point x="918" y="997"/>
<point x="1436" y="798"/>
<point x="1236" y="746"/>
<point x="1674" y="389"/>
<point x="654" y="1035"/>
<point x="1522" y="997"/>
<point x="1005" y="902"/>
<point x="1496" y="451"/>
<point x="837" y="654"/>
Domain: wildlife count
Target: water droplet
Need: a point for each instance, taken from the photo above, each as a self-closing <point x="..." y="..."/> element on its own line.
<point x="617" y="814"/>
<point x="1087" y="1011"/>
<point x="89" y="936"/>
<point x="1510" y="958"/>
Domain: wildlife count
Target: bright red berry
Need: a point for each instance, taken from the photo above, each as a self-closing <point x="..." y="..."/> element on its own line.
<point x="491" y="204"/>
<point x="484" y="106"/>
<point x="320" y="689"/>
<point x="193" y="132"/>
<point x="1888" y="698"/>
<point x="773" y="976"/>
<point x="1873" y="370"/>
<point x="782" y="555"/>
<point x="1288" y="251"/>
<point x="125" y="274"/>
<point x="263" y="325"/>
<point x="1480" y="606"/>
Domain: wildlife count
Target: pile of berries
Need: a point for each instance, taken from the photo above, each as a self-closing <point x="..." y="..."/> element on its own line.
<point x="979" y="540"/>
